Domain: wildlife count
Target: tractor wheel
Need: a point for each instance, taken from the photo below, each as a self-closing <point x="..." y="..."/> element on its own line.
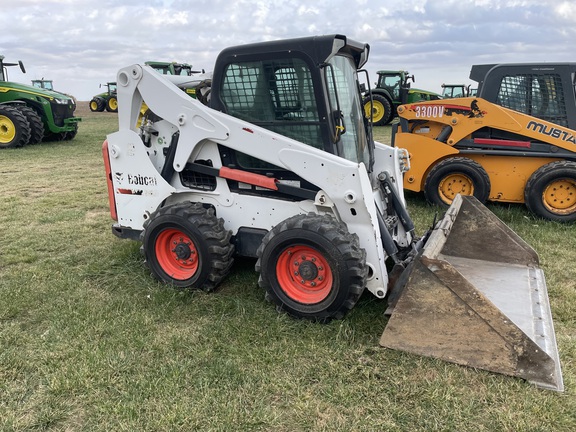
<point x="36" y="124"/>
<point x="14" y="127"/>
<point x="97" y="104"/>
<point x="312" y="267"/>
<point x="551" y="191"/>
<point x="71" y="134"/>
<point x="112" y="104"/>
<point x="54" y="136"/>
<point x="381" y="112"/>
<point x="454" y="176"/>
<point x="187" y="246"/>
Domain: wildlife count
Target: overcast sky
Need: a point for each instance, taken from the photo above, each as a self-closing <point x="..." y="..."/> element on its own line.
<point x="80" y="44"/>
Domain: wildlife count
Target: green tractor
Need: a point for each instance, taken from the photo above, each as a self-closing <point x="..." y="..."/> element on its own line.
<point x="173" y="68"/>
<point x="198" y="88"/>
<point x="44" y="84"/>
<point x="29" y="115"/>
<point x="105" y="101"/>
<point x="392" y="89"/>
<point x="49" y="85"/>
<point x="450" y="91"/>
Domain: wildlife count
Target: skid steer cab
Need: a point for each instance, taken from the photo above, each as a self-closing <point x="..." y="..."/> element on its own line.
<point x="281" y="167"/>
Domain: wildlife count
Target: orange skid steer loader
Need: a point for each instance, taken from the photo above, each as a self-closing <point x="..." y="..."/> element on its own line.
<point x="514" y="143"/>
<point x="281" y="166"/>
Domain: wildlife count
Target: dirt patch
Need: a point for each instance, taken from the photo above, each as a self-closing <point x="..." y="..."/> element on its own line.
<point x="83" y="110"/>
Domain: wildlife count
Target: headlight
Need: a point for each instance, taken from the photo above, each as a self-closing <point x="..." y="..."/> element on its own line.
<point x="61" y="101"/>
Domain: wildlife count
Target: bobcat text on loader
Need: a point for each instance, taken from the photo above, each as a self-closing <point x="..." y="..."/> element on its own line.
<point x="281" y="166"/>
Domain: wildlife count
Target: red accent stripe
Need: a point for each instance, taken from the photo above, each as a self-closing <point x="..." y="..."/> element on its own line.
<point x="111" y="197"/>
<point x="500" y="142"/>
<point x="248" y="177"/>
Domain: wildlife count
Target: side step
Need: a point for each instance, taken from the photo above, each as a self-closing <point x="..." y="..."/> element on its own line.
<point x="477" y="297"/>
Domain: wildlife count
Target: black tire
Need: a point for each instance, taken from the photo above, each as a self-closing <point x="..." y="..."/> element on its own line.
<point x="187" y="246"/>
<point x="551" y="191"/>
<point x="71" y="134"/>
<point x="36" y="124"/>
<point x="326" y="278"/>
<point x="112" y="104"/>
<point x="97" y="104"/>
<point x="14" y="127"/>
<point x="382" y="111"/>
<point x="456" y="175"/>
<point x="54" y="136"/>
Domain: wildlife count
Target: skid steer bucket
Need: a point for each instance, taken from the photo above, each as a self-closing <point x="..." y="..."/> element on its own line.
<point x="477" y="297"/>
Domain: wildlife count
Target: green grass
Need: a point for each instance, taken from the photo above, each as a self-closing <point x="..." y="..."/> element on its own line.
<point x="89" y="341"/>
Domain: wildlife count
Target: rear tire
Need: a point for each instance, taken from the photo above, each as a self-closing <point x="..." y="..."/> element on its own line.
<point x="112" y="104"/>
<point x="454" y="176"/>
<point x="382" y="112"/>
<point x="14" y="127"/>
<point x="97" y="105"/>
<point x="312" y="267"/>
<point x="550" y="192"/>
<point x="187" y="246"/>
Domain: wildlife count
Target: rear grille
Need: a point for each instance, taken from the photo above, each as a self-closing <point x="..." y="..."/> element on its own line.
<point x="195" y="180"/>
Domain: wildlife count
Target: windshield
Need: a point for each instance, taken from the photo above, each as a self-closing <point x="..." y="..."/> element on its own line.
<point x="343" y="91"/>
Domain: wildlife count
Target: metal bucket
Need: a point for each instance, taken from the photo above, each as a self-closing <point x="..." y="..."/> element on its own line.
<point x="476" y="296"/>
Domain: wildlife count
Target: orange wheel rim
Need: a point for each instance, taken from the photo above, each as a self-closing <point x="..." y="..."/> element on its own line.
<point x="304" y="274"/>
<point x="455" y="184"/>
<point x="176" y="254"/>
<point x="559" y="197"/>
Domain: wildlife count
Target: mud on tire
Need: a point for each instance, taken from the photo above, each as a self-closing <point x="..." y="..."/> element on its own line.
<point x="550" y="192"/>
<point x="312" y="267"/>
<point x="456" y="175"/>
<point x="187" y="246"/>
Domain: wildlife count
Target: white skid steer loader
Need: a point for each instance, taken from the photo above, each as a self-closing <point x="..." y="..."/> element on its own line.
<point x="281" y="166"/>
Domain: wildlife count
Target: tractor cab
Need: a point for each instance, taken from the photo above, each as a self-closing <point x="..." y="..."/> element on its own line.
<point x="44" y="84"/>
<point x="395" y="82"/>
<point x="450" y="91"/>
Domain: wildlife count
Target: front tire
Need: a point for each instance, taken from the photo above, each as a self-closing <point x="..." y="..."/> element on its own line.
<point x="70" y="135"/>
<point x="312" y="267"/>
<point x="454" y="176"/>
<point x="187" y="246"/>
<point x="551" y="191"/>
<point x="380" y="111"/>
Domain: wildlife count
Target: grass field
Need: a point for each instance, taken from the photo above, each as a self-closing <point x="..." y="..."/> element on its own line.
<point x="89" y="341"/>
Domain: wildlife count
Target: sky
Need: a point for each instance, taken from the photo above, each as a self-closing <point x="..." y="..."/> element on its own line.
<point x="80" y="44"/>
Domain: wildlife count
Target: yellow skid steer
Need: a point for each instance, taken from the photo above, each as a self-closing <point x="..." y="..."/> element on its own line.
<point x="281" y="166"/>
